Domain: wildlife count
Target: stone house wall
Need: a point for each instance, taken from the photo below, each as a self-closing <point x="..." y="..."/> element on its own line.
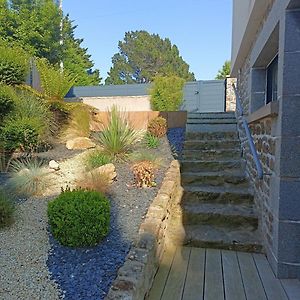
<point x="275" y="133"/>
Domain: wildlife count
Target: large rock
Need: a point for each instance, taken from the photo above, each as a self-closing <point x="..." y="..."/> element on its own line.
<point x="54" y="165"/>
<point x="108" y="170"/>
<point x="80" y="143"/>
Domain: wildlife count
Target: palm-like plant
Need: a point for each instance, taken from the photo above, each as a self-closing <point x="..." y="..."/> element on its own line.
<point x="118" y="137"/>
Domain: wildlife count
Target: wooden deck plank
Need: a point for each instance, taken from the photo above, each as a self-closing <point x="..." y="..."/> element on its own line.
<point x="233" y="284"/>
<point x="194" y="283"/>
<point x="253" y="287"/>
<point x="292" y="288"/>
<point x="213" y="289"/>
<point x="272" y="286"/>
<point x="175" y="283"/>
<point x="162" y="275"/>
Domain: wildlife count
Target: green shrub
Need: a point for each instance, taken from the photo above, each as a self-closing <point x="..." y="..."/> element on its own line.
<point x="21" y="133"/>
<point x="96" y="159"/>
<point x="14" y="64"/>
<point x="6" y="210"/>
<point x="79" y="218"/>
<point x="118" y="137"/>
<point x="167" y="93"/>
<point x="28" y="177"/>
<point x="7" y="100"/>
<point x="55" y="82"/>
<point x="158" y="127"/>
<point x="151" y="140"/>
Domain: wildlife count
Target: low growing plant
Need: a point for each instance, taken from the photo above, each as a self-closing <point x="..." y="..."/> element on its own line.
<point x="96" y="159"/>
<point x="6" y="210"/>
<point x="144" y="174"/>
<point x="151" y="141"/>
<point x="95" y="181"/>
<point x="79" y="218"/>
<point x="118" y="137"/>
<point x="28" y="177"/>
<point x="158" y="127"/>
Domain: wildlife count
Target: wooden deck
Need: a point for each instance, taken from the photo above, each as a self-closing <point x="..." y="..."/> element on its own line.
<point x="209" y="274"/>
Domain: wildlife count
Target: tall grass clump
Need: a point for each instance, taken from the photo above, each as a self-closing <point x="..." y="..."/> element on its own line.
<point x="6" y="210"/>
<point x="118" y="137"/>
<point x="28" y="177"/>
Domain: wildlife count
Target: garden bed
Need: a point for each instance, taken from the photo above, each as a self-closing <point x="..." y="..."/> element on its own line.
<point x="44" y="268"/>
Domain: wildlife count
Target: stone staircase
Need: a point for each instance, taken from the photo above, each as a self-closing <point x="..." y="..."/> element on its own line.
<point x="217" y="205"/>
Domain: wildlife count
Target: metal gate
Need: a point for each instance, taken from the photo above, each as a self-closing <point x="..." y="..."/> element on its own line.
<point x="204" y="96"/>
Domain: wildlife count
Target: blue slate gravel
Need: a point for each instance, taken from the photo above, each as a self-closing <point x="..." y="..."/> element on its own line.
<point x="176" y="139"/>
<point x="87" y="273"/>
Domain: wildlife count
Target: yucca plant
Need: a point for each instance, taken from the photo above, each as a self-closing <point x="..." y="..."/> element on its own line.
<point x="28" y="177"/>
<point x="118" y="137"/>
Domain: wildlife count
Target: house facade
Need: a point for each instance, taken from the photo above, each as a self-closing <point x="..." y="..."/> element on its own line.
<point x="266" y="63"/>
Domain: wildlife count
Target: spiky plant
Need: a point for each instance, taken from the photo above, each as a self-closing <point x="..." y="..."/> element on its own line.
<point x="6" y="210"/>
<point x="118" y="137"/>
<point x="96" y="159"/>
<point x="28" y="177"/>
<point x="151" y="141"/>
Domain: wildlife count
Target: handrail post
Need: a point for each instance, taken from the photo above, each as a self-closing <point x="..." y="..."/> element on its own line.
<point x="254" y="153"/>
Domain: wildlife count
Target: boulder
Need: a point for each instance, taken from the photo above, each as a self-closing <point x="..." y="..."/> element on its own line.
<point x="54" y="165"/>
<point x="109" y="170"/>
<point x="80" y="143"/>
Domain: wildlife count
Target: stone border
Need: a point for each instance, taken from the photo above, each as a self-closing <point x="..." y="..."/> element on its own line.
<point x="135" y="277"/>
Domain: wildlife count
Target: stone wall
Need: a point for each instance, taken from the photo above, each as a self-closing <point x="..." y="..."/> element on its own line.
<point x="230" y="94"/>
<point x="135" y="277"/>
<point x="265" y="143"/>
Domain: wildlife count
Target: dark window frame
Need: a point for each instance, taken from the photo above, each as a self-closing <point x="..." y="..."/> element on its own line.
<point x="272" y="80"/>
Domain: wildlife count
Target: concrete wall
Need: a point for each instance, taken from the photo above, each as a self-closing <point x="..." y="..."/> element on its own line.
<point x="247" y="18"/>
<point x="126" y="103"/>
<point x="275" y="128"/>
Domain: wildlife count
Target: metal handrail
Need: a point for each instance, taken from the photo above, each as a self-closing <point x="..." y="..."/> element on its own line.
<point x="257" y="162"/>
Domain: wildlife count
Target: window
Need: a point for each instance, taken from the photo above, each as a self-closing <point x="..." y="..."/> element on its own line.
<point x="271" y="80"/>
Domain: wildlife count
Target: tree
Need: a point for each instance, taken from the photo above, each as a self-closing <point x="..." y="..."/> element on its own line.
<point x="225" y="71"/>
<point x="143" y="56"/>
<point x="36" y="26"/>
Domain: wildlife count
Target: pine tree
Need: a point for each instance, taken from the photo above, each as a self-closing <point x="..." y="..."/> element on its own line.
<point x="143" y="56"/>
<point x="225" y="71"/>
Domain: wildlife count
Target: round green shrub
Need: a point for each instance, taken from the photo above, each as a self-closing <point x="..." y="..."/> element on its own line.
<point x="20" y="133"/>
<point x="7" y="100"/>
<point x="6" y="210"/>
<point x="167" y="93"/>
<point x="14" y="64"/>
<point x="79" y="218"/>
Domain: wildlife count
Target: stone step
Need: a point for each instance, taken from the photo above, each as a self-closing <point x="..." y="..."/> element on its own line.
<point x="211" y="121"/>
<point x="221" y="178"/>
<point x="227" y="215"/>
<point x="203" y="165"/>
<point x="211" y="144"/>
<point x="209" y="236"/>
<point x="211" y="127"/>
<point x="216" y="194"/>
<point x="218" y="115"/>
<point x="194" y="135"/>
<point x="211" y="155"/>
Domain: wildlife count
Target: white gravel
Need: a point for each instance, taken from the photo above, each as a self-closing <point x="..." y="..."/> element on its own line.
<point x="23" y="254"/>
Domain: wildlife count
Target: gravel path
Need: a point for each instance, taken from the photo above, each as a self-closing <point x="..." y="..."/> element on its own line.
<point x="23" y="255"/>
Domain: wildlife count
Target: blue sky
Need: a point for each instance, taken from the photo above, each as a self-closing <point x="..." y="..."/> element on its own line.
<point x="200" y="28"/>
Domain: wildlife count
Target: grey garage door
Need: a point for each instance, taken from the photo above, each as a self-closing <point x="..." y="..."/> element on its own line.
<point x="204" y="96"/>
